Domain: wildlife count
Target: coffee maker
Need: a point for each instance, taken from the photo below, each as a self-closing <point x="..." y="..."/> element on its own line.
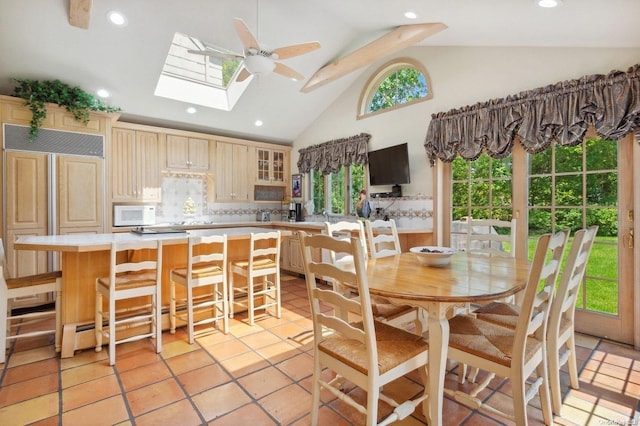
<point x="298" y="212"/>
<point x="292" y="212"/>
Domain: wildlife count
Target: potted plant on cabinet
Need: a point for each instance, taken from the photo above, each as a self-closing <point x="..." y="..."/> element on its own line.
<point x="75" y="100"/>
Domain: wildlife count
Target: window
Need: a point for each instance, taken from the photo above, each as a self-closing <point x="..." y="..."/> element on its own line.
<point x="338" y="192"/>
<point x="398" y="83"/>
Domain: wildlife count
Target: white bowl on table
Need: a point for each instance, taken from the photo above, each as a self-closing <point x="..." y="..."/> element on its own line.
<point x="433" y="255"/>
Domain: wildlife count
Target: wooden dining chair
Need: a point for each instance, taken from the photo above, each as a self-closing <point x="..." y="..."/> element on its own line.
<point x="561" y="345"/>
<point x="383" y="240"/>
<point x="513" y="353"/>
<point x="367" y="353"/>
<point x="382" y="236"/>
<point x="491" y="236"/>
<point x="262" y="264"/>
<point x="384" y="310"/>
<point x="48" y="320"/>
<point x="206" y="270"/>
<point x="135" y="272"/>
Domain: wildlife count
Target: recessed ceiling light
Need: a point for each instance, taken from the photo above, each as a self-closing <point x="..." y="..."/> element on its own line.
<point x="191" y="110"/>
<point x="117" y="18"/>
<point x="103" y="93"/>
<point x="258" y="123"/>
<point x="548" y="3"/>
<point x="410" y="15"/>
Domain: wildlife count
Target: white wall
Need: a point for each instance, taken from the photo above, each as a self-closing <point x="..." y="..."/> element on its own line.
<point x="459" y="76"/>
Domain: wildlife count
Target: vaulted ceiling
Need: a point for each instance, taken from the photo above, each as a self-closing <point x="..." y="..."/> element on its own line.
<point x="46" y="40"/>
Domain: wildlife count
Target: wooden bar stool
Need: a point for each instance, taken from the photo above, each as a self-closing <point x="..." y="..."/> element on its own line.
<point x="28" y="286"/>
<point x="130" y="276"/>
<point x="263" y="263"/>
<point x="206" y="267"/>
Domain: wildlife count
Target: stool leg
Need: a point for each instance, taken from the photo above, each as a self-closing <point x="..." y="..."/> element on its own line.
<point x="172" y="308"/>
<point x="112" y="331"/>
<point x="58" y="334"/>
<point x="98" y="321"/>
<point x="231" y="292"/>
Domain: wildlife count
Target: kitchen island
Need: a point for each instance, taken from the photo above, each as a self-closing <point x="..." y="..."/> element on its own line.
<point x="84" y="257"/>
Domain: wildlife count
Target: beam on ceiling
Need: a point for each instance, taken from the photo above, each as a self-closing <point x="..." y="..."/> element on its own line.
<point x="392" y="42"/>
<point x="80" y="13"/>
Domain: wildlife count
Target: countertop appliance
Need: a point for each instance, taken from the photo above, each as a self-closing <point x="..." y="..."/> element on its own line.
<point x="263" y="216"/>
<point x="130" y="215"/>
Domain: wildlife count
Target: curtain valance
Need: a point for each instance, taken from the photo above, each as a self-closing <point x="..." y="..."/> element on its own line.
<point x="329" y="157"/>
<point x="559" y="113"/>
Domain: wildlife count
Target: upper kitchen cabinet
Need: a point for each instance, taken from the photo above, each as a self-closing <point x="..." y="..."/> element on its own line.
<point x="135" y="166"/>
<point x="231" y="176"/>
<point x="186" y="153"/>
<point x="272" y="166"/>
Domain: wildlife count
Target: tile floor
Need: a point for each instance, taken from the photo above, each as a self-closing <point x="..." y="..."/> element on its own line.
<point x="261" y="375"/>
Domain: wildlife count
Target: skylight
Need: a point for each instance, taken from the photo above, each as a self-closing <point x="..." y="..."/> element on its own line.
<point x="200" y="79"/>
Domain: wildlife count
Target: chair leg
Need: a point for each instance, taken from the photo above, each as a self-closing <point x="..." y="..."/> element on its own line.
<point x="58" y="303"/>
<point x="3" y="328"/>
<point x="545" y="400"/>
<point x="278" y="297"/>
<point x="98" y="321"/>
<point x="225" y="308"/>
<point x="112" y="331"/>
<point x="157" y="323"/>
<point x="172" y="307"/>
<point x="315" y="393"/>
<point x="250" y="299"/>
<point x="372" y="406"/>
<point x="190" y="313"/>
<point x="231" y="291"/>
<point x="572" y="364"/>
<point x="518" y="393"/>
<point x="554" y="380"/>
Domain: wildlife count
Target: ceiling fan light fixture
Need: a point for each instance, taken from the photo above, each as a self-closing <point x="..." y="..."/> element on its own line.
<point x="548" y="3"/>
<point x="258" y="64"/>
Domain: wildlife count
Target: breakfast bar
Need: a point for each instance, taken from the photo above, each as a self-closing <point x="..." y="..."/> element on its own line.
<point x="84" y="257"/>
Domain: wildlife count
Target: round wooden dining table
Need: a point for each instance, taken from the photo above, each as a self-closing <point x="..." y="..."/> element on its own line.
<point x="468" y="278"/>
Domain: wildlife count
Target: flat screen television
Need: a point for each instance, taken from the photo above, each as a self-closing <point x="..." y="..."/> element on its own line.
<point x="389" y="166"/>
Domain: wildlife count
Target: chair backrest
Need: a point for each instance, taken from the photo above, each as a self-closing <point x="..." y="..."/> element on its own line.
<point x="3" y="261"/>
<point x="127" y="259"/>
<point x="344" y="230"/>
<point x="491" y="236"/>
<point x="383" y="239"/>
<point x="207" y="252"/>
<point x="564" y="303"/>
<point x="264" y="246"/>
<point x="543" y="275"/>
<point x="330" y="320"/>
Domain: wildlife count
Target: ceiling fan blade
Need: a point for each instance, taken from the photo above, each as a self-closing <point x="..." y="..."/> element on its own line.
<point x="243" y="75"/>
<point x="392" y="42"/>
<point x="296" y="50"/>
<point x="247" y="39"/>
<point x="287" y="72"/>
<point x="217" y="54"/>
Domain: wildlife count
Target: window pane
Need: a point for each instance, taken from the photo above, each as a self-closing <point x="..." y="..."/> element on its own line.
<point x="568" y="190"/>
<point x="602" y="154"/>
<point x="317" y="189"/>
<point x="501" y="193"/>
<point x="568" y="158"/>
<point x="540" y="191"/>
<point x="540" y="163"/>
<point x="480" y="193"/>
<point x="606" y="219"/>
<point x="400" y="87"/>
<point x="460" y="169"/>
<point x="337" y="192"/>
<point x="568" y="219"/>
<point x="539" y="221"/>
<point x="602" y="189"/>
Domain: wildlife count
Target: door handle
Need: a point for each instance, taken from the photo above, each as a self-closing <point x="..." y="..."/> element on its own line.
<point x="627" y="240"/>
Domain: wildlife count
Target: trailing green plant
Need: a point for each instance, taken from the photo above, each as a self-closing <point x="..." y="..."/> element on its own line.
<point x="75" y="100"/>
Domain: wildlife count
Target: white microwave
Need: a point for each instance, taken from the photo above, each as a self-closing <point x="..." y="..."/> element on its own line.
<point x="134" y="215"/>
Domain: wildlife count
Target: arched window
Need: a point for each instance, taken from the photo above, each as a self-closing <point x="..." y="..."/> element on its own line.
<point x="398" y="83"/>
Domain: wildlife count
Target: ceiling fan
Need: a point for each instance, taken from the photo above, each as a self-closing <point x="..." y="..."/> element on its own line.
<point x="258" y="61"/>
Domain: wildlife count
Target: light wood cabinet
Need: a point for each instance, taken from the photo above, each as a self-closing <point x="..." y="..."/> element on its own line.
<point x="185" y="153"/>
<point x="291" y="254"/>
<point x="232" y="181"/>
<point x="135" y="166"/>
<point x="272" y="166"/>
<point x="80" y="201"/>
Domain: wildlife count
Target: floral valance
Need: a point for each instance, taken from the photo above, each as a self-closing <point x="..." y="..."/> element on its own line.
<point x="559" y="113"/>
<point x="329" y="157"/>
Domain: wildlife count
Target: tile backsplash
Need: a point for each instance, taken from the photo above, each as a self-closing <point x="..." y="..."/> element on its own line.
<point x="178" y="189"/>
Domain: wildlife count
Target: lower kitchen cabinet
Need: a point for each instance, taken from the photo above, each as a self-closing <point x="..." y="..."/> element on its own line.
<point x="291" y="259"/>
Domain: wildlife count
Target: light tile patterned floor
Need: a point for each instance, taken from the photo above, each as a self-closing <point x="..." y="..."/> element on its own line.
<point x="261" y="375"/>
